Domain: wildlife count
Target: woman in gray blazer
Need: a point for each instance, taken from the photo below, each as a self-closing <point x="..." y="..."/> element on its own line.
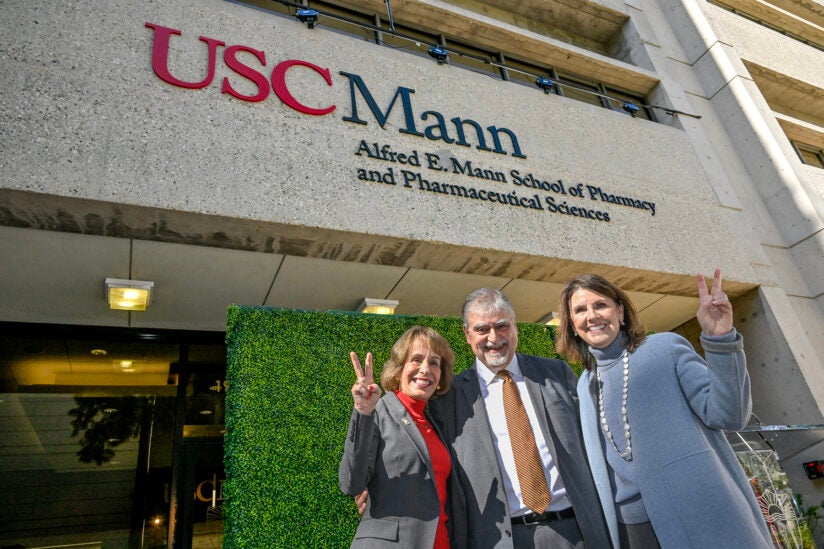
<point x="653" y="414"/>
<point x="395" y="452"/>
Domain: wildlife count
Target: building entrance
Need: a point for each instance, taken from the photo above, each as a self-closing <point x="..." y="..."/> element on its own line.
<point x="110" y="438"/>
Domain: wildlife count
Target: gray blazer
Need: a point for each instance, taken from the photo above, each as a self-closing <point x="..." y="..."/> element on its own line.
<point x="462" y="416"/>
<point x="386" y="454"/>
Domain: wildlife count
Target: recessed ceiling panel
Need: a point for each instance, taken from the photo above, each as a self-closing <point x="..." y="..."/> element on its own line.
<point x="194" y="285"/>
<point x="533" y="300"/>
<point x="324" y="284"/>
<point x="55" y="277"/>
<point x="438" y="293"/>
<point x="668" y="312"/>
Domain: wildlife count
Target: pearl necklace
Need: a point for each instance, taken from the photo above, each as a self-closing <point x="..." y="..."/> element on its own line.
<point x="627" y="453"/>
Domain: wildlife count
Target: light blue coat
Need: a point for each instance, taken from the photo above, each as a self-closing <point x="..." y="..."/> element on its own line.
<point x="693" y="487"/>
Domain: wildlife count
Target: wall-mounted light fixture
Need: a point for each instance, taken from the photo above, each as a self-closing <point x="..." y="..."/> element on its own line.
<point x="631" y="108"/>
<point x="128" y="295"/>
<point x="439" y="54"/>
<point x="378" y="306"/>
<point x="551" y="319"/>
<point x="545" y="84"/>
<point x="308" y="16"/>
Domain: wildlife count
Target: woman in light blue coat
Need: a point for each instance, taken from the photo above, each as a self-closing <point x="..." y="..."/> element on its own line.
<point x="653" y="414"/>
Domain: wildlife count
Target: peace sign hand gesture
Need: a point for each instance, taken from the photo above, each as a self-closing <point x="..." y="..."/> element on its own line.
<point x="365" y="391"/>
<point x="715" y="310"/>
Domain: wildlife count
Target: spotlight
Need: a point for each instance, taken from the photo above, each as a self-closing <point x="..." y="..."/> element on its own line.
<point x="439" y="54"/>
<point x="308" y="16"/>
<point x="545" y="84"/>
<point x="632" y="109"/>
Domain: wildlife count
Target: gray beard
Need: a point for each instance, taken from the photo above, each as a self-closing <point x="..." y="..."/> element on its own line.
<point x="495" y="360"/>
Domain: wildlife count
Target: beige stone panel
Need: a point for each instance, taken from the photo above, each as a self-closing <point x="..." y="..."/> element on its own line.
<point x="762" y="148"/>
<point x="796" y="27"/>
<point x="801" y="327"/>
<point x="653" y="25"/>
<point x="742" y="230"/>
<point x="809" y="256"/>
<point x="690" y="27"/>
<point x="787" y="271"/>
<point x="718" y="67"/>
<point x="787" y="385"/>
<point x="811" y="316"/>
<point x="732" y="184"/>
<point x="644" y="19"/>
<point x="815" y="178"/>
<point x="766" y="47"/>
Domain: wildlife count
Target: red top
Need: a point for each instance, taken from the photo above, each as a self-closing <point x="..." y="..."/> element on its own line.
<point x="441" y="463"/>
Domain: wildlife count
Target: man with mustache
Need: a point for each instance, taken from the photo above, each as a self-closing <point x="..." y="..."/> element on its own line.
<point x="566" y="514"/>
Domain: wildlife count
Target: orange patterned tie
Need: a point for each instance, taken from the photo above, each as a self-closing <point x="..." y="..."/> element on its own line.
<point x="527" y="461"/>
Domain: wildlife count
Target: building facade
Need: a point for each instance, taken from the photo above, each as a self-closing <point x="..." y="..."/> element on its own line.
<point x="310" y="155"/>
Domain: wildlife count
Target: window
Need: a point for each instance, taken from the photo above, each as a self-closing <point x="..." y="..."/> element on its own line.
<point x="810" y="155"/>
<point x="375" y="28"/>
<point x="409" y="40"/>
<point x="580" y="90"/>
<point x="618" y="100"/>
<point x="474" y="59"/>
<point x="523" y="72"/>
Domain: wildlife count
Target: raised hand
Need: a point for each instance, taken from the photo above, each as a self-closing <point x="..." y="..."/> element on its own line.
<point x="365" y="391"/>
<point x="714" y="310"/>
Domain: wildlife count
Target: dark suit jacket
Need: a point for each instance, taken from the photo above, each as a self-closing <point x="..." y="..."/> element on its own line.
<point x="386" y="454"/>
<point x="462" y="416"/>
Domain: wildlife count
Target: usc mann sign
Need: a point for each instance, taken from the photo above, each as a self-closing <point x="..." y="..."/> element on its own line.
<point x="431" y="125"/>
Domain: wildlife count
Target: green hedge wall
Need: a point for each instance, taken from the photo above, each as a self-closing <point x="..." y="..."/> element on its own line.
<point x="287" y="411"/>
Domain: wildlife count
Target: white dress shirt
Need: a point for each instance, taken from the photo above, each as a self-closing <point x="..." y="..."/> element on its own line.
<point x="492" y="393"/>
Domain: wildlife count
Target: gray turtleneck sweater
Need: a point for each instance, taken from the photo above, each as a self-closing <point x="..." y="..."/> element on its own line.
<point x="628" y="504"/>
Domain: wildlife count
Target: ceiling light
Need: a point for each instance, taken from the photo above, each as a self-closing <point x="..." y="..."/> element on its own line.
<point x="378" y="306"/>
<point x="552" y="319"/>
<point x="128" y="295"/>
